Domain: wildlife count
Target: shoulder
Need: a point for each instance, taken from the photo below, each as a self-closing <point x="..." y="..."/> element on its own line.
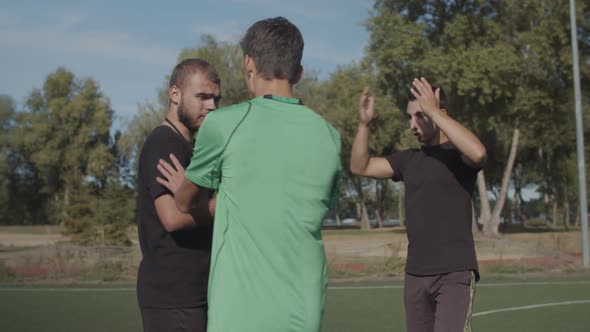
<point x="161" y="138"/>
<point x="160" y="132"/>
<point x="230" y="112"/>
<point x="401" y="157"/>
<point x="157" y="137"/>
<point x="162" y="142"/>
<point x="334" y="133"/>
<point x="406" y="152"/>
<point x="330" y="129"/>
<point x="226" y="118"/>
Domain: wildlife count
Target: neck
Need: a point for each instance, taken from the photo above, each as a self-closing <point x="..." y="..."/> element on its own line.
<point x="438" y="139"/>
<point x="173" y="117"/>
<point x="273" y="87"/>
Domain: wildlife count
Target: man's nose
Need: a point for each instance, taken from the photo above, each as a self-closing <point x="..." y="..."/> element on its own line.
<point x="210" y="104"/>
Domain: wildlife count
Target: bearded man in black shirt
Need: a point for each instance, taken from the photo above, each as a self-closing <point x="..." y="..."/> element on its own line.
<point x="439" y="179"/>
<point x="176" y="247"/>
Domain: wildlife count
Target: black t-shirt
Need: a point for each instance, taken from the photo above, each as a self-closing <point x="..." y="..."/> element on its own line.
<point x="174" y="270"/>
<point x="439" y="187"/>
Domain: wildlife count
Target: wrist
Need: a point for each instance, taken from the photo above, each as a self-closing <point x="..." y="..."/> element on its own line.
<point x="363" y="125"/>
<point x="432" y="112"/>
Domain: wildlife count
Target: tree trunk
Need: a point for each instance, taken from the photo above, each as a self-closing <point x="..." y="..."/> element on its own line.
<point x="66" y="204"/>
<point x="554" y="209"/>
<point x="364" y="216"/>
<point x="474" y="227"/>
<point x="510" y="203"/>
<point x="520" y="210"/>
<point x="491" y="227"/>
<point x="401" y="207"/>
<point x="485" y="211"/>
<point x="566" y="217"/>
<point x="361" y="207"/>
<point x="546" y="206"/>
<point x="378" y="216"/>
<point x="379" y="200"/>
<point x="342" y="194"/>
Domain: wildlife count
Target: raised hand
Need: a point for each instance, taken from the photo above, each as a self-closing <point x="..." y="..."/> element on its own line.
<point x="366" y="102"/>
<point x="429" y="100"/>
<point x="172" y="175"/>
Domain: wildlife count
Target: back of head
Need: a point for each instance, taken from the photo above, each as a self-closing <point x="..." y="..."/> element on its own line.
<point x="276" y="46"/>
<point x="189" y="67"/>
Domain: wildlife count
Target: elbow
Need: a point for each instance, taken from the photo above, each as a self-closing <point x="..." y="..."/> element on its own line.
<point x="169" y="225"/>
<point x="356" y="170"/>
<point x="481" y="156"/>
<point x="184" y="207"/>
<point x="183" y="203"/>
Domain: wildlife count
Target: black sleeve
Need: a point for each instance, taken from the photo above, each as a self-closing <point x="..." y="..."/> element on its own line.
<point x="466" y="166"/>
<point x="159" y="146"/>
<point x="397" y="161"/>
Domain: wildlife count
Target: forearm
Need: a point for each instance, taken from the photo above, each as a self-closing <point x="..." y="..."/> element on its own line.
<point x="170" y="217"/>
<point x="187" y="196"/>
<point x="469" y="145"/>
<point x="359" y="159"/>
<point x="178" y="220"/>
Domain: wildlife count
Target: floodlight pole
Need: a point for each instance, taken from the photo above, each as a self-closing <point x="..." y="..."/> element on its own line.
<point x="579" y="137"/>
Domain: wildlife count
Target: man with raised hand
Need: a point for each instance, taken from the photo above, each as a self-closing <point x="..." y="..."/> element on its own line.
<point x="439" y="179"/>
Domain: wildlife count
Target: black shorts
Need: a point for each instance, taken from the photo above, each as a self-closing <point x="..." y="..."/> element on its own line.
<point x="174" y="320"/>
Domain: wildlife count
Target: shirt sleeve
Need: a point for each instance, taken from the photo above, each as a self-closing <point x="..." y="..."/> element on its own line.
<point x="156" y="149"/>
<point x="397" y="161"/>
<point x="204" y="169"/>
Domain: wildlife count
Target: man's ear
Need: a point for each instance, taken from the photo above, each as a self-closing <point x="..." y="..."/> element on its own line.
<point x="249" y="66"/>
<point x="298" y="76"/>
<point x="174" y="94"/>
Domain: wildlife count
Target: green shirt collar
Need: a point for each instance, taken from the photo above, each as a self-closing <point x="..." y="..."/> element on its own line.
<point x="287" y="100"/>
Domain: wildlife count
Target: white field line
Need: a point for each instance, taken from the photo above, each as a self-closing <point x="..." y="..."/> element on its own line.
<point x="532" y="306"/>
<point x="128" y="289"/>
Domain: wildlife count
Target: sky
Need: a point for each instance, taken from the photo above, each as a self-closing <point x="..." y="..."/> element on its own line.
<point x="130" y="46"/>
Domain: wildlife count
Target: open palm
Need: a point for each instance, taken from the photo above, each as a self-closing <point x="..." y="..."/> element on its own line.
<point x="366" y="111"/>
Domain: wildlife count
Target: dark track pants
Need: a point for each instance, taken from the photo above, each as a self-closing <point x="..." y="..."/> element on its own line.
<point x="439" y="303"/>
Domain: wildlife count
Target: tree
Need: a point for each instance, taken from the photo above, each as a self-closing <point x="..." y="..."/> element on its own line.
<point x="505" y="66"/>
<point x="65" y="135"/>
<point x="6" y="117"/>
<point x="341" y="95"/>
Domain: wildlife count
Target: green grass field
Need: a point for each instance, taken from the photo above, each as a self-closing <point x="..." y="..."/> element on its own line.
<point x="521" y="306"/>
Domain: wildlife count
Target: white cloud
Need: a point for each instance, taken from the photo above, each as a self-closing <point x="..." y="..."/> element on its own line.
<point x="65" y="35"/>
<point x="308" y="9"/>
<point x="226" y="31"/>
<point x="321" y="51"/>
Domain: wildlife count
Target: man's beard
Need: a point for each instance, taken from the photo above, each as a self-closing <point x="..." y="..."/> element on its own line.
<point x="184" y="119"/>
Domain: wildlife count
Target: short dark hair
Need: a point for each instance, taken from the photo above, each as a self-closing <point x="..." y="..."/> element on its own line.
<point x="276" y="46"/>
<point x="442" y="95"/>
<point x="192" y="66"/>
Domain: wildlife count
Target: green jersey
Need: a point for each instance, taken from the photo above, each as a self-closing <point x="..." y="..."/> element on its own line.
<point x="276" y="166"/>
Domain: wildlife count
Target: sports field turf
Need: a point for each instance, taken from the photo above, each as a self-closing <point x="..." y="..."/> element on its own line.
<point x="521" y="306"/>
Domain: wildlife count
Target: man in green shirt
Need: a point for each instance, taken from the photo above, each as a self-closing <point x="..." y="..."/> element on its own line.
<point x="275" y="165"/>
